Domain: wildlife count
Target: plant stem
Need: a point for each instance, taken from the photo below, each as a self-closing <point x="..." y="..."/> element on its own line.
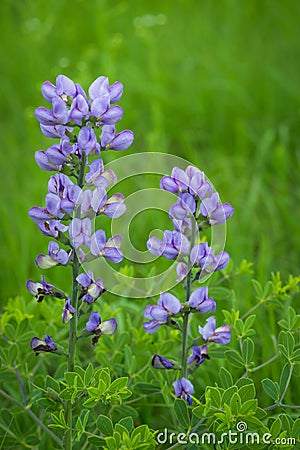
<point x="73" y="324"/>
<point x="188" y="289"/>
<point x="33" y="416"/>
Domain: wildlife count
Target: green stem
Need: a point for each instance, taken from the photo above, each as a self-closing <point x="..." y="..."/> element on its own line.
<point x="73" y="324"/>
<point x="188" y="289"/>
<point x="33" y="416"/>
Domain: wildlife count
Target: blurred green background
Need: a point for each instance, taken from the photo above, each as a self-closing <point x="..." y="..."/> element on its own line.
<point x="216" y="82"/>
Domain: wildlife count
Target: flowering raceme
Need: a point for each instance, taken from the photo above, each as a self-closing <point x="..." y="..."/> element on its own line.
<point x="197" y="207"/>
<point x="85" y="126"/>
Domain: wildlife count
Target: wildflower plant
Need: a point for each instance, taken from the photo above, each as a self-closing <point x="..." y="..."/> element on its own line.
<point x="85" y="127"/>
<point x="197" y="208"/>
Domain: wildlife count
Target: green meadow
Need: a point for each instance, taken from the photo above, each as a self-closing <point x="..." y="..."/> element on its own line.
<point x="216" y="82"/>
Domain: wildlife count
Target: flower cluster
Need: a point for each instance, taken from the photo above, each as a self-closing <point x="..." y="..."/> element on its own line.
<point x="197" y="207"/>
<point x="84" y="126"/>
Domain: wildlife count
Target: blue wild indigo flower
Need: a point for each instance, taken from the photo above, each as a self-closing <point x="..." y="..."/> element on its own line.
<point x="198" y="206"/>
<point x="184" y="389"/>
<point x="83" y="125"/>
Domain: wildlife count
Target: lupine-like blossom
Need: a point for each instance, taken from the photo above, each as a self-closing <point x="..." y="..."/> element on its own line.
<point x="68" y="311"/>
<point x="172" y="244"/>
<point x="85" y="125"/>
<point x="109" y="249"/>
<point x="159" y="362"/>
<point x="42" y="289"/>
<point x="55" y="257"/>
<point x="197" y="206"/>
<point x="38" y="345"/>
<point x="220" y="335"/>
<point x="203" y="256"/>
<point x="198" y="356"/>
<point x="95" y="326"/>
<point x="91" y="289"/>
<point x="167" y="306"/>
<point x="184" y="389"/>
<point x="199" y="300"/>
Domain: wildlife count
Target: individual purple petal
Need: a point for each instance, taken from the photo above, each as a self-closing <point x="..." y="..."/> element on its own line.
<point x="98" y="242"/>
<point x="182" y="271"/>
<point x="112" y="115"/>
<point x="80" y="231"/>
<point x="87" y="141"/>
<point x="98" y="199"/>
<point x="169" y="184"/>
<point x="108" y="326"/>
<point x="54" y="131"/>
<point x="60" y="110"/>
<point x="68" y="311"/>
<point x="198" y="296"/>
<point x="159" y="362"/>
<point x="84" y="279"/>
<point x="100" y="105"/>
<point x="159" y="313"/>
<point x="198" y="356"/>
<point x="208" y="329"/>
<point x="121" y="141"/>
<point x="114" y="241"/>
<point x="183" y="388"/>
<point x="48" y="91"/>
<point x="65" y="86"/>
<point x="79" y="109"/>
<point x="113" y="254"/>
<point x="45" y="116"/>
<point x="181" y="178"/>
<point x="155" y="246"/>
<point x="99" y="87"/>
<point x="38" y="214"/>
<point x="221" y="335"/>
<point x="152" y="326"/>
<point x="107" y="135"/>
<point x="222" y="259"/>
<point x="93" y="322"/>
<point x="96" y="170"/>
<point x="169" y="302"/>
<point x="43" y="161"/>
<point x="115" y="92"/>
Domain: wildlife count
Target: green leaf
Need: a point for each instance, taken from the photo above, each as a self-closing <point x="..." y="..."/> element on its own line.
<point x="275" y="428"/>
<point x="52" y="383"/>
<point x="199" y="411"/>
<point x="249" y="407"/>
<point x="127" y="422"/>
<point x="234" y="358"/>
<point x="284" y="378"/>
<point x="247" y="392"/>
<point x="225" y="378"/>
<point x="219" y="293"/>
<point x="271" y="388"/>
<point x="235" y="403"/>
<point x="296" y="356"/>
<point x="103" y="375"/>
<point x="88" y="374"/>
<point x="97" y="441"/>
<point x="146" y="388"/>
<point x="258" y="289"/>
<point x="215" y="396"/>
<point x="226" y="397"/>
<point x="70" y="378"/>
<point x="119" y="384"/>
<point x="182" y="413"/>
<point x="105" y="425"/>
<point x="247" y="351"/>
<point x="13" y="354"/>
<point x="296" y="428"/>
<point x="286" y="343"/>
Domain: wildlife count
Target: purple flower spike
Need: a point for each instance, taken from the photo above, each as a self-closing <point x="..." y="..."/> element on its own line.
<point x="68" y="311"/>
<point x="38" y="346"/>
<point x="198" y="356"/>
<point x="184" y="389"/>
<point x="220" y="335"/>
<point x="159" y="362"/>
<point x="199" y="300"/>
<point x="91" y="289"/>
